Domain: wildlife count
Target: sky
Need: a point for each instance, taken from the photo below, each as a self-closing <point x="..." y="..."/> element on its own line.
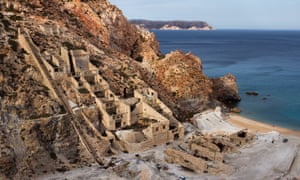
<point x="221" y="14"/>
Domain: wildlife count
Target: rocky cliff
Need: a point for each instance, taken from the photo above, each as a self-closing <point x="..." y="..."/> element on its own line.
<point x="39" y="130"/>
<point x="225" y="90"/>
<point x="179" y="79"/>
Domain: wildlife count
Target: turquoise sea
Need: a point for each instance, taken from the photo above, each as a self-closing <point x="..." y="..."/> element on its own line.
<point x="267" y="62"/>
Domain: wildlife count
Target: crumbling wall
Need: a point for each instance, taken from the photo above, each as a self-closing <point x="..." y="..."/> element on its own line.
<point x="108" y="122"/>
<point x="64" y="53"/>
<point x="150" y="96"/>
<point x="201" y="151"/>
<point x="241" y="138"/>
<point x="124" y="110"/>
<point x="134" y="141"/>
<point x="80" y="60"/>
<point x="149" y="112"/>
<point x="185" y="160"/>
<point x="158" y="132"/>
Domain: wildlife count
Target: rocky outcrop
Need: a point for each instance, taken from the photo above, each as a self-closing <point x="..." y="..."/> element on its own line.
<point x="252" y="93"/>
<point x="182" y="85"/>
<point x="107" y="23"/>
<point x="225" y="90"/>
<point x="180" y="75"/>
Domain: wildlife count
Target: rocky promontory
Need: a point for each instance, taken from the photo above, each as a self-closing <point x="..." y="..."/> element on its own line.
<point x="173" y="25"/>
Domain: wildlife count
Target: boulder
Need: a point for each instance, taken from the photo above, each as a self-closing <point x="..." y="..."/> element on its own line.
<point x="225" y="90"/>
<point x="235" y="110"/>
<point x="252" y="93"/>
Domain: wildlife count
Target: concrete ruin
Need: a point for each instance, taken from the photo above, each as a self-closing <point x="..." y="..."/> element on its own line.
<point x="194" y="163"/>
<point x="79" y="61"/>
<point x="139" y="122"/>
<point x="150" y="96"/>
<point x="149" y="122"/>
<point x="185" y="160"/>
<point x="149" y="129"/>
<point x="204" y="153"/>
<point x="241" y="138"/>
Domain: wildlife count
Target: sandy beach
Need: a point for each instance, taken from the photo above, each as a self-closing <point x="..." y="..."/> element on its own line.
<point x="255" y="126"/>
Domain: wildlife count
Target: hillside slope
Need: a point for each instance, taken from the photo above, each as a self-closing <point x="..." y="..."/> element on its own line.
<point x="66" y="66"/>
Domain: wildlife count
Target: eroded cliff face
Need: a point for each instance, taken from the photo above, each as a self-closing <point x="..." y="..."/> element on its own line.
<point x="100" y="22"/>
<point x="184" y="87"/>
<point x="125" y="37"/>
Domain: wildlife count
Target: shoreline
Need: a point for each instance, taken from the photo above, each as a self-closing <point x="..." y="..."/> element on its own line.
<point x="258" y="127"/>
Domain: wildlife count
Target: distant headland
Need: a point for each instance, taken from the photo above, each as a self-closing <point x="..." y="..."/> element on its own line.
<point x="173" y="25"/>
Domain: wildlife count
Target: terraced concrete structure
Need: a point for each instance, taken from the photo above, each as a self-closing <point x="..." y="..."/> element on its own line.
<point x="84" y="88"/>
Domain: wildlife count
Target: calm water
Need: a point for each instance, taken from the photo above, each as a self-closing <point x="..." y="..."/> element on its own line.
<point x="264" y="61"/>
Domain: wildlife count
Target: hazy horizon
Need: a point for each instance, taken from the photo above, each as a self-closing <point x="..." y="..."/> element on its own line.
<point x="230" y="14"/>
